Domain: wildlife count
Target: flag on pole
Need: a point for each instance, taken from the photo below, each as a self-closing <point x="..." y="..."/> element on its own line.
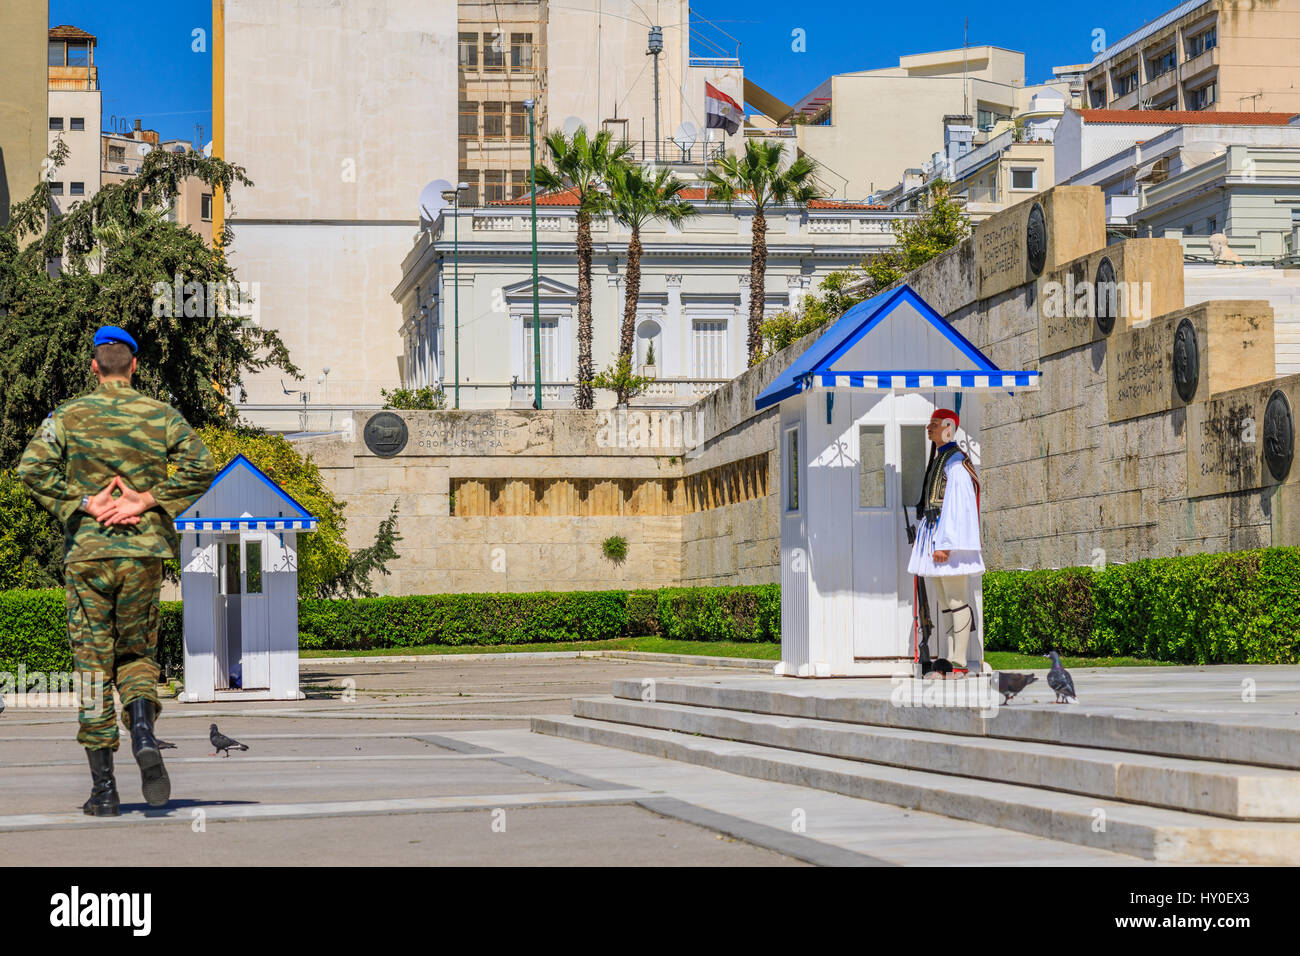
<point x="720" y="110"/>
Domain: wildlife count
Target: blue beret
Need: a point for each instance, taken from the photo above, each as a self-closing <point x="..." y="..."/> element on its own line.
<point x="111" y="333"/>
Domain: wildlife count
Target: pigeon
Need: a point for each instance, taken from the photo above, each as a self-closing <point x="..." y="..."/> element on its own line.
<point x="1059" y="679"/>
<point x="1011" y="684"/>
<point x="164" y="744"/>
<point x="222" y="743"/>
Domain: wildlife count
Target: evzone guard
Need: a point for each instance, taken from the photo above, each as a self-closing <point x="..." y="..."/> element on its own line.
<point x="946" y="550"/>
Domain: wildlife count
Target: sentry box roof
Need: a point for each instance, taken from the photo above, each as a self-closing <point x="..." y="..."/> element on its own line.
<point x="894" y="341"/>
<point x="243" y="498"/>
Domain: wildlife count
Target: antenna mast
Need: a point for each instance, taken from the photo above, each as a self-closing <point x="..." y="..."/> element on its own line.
<point x="965" y="87"/>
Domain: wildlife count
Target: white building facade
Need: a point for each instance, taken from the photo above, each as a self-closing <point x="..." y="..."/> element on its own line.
<point x="692" y="311"/>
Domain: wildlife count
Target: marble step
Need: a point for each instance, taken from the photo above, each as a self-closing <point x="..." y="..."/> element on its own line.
<point x="1197" y="786"/>
<point x="1228" y="739"/>
<point x="1147" y="832"/>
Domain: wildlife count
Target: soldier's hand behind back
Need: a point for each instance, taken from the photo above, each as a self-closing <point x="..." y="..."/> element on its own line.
<point x="127" y="507"/>
<point x="100" y="501"/>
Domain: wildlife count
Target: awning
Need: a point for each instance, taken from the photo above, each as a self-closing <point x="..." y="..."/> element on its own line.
<point x="951" y="381"/>
<point x="246" y="524"/>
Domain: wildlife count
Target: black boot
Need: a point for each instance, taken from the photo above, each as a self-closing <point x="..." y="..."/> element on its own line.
<point x="153" y="775"/>
<point x="103" y="800"/>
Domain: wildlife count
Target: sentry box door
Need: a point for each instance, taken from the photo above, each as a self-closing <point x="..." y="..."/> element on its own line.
<point x="255" y="610"/>
<point x="243" y="625"/>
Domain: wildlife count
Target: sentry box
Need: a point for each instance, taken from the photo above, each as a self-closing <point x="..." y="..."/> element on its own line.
<point x="239" y="584"/>
<point x="853" y="453"/>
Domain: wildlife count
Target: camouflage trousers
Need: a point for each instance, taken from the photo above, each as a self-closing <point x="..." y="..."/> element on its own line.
<point x="113" y="612"/>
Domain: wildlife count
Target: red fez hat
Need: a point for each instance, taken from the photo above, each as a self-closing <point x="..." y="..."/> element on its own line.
<point x="947" y="413"/>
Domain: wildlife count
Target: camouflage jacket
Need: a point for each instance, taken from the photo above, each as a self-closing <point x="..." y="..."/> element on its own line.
<point x="116" y="431"/>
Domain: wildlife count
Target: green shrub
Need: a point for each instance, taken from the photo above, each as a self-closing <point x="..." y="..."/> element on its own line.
<point x="1032" y="611"/>
<point x="34" y="633"/>
<point x="643" y="613"/>
<point x="454" y="619"/>
<point x="750" y="613"/>
<point x="615" y="548"/>
<point x="1236" y="608"/>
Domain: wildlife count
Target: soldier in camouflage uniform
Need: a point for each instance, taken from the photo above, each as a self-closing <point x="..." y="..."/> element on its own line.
<point x="100" y="464"/>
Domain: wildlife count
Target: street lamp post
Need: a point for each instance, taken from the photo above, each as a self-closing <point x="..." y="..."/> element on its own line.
<point x="453" y="196"/>
<point x="532" y="205"/>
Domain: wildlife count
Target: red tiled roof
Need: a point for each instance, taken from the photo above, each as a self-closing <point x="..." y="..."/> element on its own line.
<point x="566" y="197"/>
<point x="1185" y="117"/>
<point x="841" y="204"/>
<point x="65" y="32"/>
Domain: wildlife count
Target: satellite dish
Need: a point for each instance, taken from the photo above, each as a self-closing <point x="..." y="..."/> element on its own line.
<point x="143" y="149"/>
<point x="431" y="202"/>
<point x="207" y="149"/>
<point x="687" y="135"/>
<point x="571" y="126"/>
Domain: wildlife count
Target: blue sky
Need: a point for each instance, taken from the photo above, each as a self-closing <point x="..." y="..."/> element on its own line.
<point x="149" y="70"/>
<point x="843" y="35"/>
<point x="147" y="67"/>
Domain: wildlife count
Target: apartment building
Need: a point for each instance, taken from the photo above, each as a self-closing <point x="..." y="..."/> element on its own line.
<point x="24" y="86"/>
<point x="74" y="114"/>
<point x="1203" y="55"/>
<point x="840" y="123"/>
<point x="988" y="171"/>
<point x="1191" y="175"/>
<point x="121" y="157"/>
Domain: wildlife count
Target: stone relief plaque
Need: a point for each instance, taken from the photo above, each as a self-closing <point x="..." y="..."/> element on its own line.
<point x="1036" y="239"/>
<point x="1187" y="360"/>
<point x="1103" y="288"/>
<point x="1279" y="435"/>
<point x="385" y="434"/>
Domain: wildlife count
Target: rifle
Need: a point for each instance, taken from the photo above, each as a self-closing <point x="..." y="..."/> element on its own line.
<point x="920" y="605"/>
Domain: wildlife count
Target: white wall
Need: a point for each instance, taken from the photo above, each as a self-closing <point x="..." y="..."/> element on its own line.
<point x="329" y="106"/>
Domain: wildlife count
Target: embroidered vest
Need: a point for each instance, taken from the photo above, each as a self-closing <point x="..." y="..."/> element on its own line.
<point x="935" y="483"/>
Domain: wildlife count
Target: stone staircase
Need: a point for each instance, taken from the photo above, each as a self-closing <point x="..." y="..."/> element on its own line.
<point x="1160" y="786"/>
<point x="1281" y="287"/>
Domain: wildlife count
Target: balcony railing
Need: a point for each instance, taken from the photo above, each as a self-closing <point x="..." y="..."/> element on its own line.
<point x="672" y="153"/>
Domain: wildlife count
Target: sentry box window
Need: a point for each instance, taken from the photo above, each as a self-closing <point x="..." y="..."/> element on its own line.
<point x="792" y="469"/>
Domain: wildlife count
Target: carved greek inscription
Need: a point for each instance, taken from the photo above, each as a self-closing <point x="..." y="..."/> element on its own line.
<point x="1222" y="454"/>
<point x="1139" y="370"/>
<point x="1001" y="249"/>
<point x="479" y="435"/>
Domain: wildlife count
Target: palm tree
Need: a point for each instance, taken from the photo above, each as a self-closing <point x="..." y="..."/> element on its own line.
<point x="757" y="179"/>
<point x="582" y="164"/>
<point x="638" y="196"/>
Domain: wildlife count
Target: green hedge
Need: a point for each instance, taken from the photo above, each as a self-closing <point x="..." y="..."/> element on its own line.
<point x="454" y="619"/>
<point x="1237" y="608"/>
<point x="1240" y="608"/>
<point x="34" y="633"/>
<point x="751" y="613"/>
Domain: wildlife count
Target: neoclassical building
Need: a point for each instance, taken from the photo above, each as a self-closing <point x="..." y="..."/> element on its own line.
<point x="691" y="314"/>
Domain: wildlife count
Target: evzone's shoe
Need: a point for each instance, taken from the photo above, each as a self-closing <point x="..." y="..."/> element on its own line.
<point x="154" y="781"/>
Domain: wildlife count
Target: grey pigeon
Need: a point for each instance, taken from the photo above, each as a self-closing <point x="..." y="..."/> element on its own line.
<point x="1011" y="684"/>
<point x="163" y="744"/>
<point x="1059" y="679"/>
<point x="222" y="743"/>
